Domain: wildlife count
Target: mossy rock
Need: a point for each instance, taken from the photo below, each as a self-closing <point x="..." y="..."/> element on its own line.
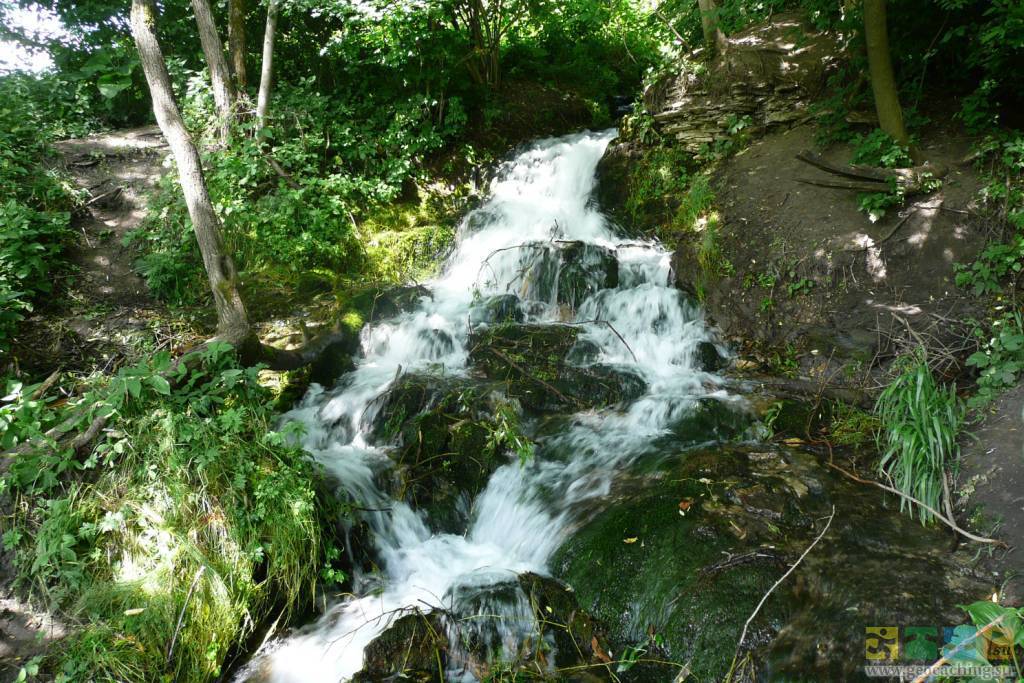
<point x="584" y="270"/>
<point x="537" y="613"/>
<point x="687" y="555"/>
<point x="503" y="308"/>
<point x="532" y="361"/>
<point x="411" y="649"/>
<point x="709" y="359"/>
<point x="438" y="431"/>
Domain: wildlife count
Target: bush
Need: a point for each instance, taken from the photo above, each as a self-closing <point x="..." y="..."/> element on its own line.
<point x="34" y="213"/>
<point x="191" y="506"/>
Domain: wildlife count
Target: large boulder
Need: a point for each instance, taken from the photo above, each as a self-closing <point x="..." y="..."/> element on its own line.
<point x="677" y="564"/>
<point x="438" y="433"/>
<point x="529" y="624"/>
<point x="532" y="361"/>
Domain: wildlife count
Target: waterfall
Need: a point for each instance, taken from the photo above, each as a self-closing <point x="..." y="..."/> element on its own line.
<point x="540" y="201"/>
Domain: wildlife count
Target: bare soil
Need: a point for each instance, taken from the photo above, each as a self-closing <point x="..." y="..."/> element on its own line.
<point x="991" y="486"/>
<point x="100" y="308"/>
<point x="813" y="278"/>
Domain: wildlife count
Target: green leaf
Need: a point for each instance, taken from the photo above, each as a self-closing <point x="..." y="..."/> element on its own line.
<point x="160" y="385"/>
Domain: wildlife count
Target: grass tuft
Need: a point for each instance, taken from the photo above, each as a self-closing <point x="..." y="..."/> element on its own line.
<point x="920" y="421"/>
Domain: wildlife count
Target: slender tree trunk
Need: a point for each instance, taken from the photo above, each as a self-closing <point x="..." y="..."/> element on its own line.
<point x="883" y="83"/>
<point x="713" y="37"/>
<point x="267" y="70"/>
<point x="232" y="320"/>
<point x="236" y="43"/>
<point x="223" y="91"/>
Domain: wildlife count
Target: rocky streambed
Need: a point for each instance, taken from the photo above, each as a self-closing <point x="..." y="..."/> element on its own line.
<point x="555" y="481"/>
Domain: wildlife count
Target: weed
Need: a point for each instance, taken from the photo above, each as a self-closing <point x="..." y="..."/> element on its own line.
<point x="920" y="423"/>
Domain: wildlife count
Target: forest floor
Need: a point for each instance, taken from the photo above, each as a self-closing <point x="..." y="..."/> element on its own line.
<point x="820" y="291"/>
<point x="101" y="315"/>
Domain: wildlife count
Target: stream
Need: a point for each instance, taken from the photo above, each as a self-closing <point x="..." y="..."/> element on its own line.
<point x="541" y="238"/>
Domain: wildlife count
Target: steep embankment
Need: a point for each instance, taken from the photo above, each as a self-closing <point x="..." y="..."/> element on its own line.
<point x="789" y="267"/>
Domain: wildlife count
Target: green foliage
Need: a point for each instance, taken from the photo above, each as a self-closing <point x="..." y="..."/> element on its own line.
<point x="920" y="423"/>
<point x="189" y="504"/>
<point x="504" y="432"/>
<point x="852" y="426"/>
<point x="1005" y="627"/>
<point x="34" y="209"/>
<point x="1000" y="358"/>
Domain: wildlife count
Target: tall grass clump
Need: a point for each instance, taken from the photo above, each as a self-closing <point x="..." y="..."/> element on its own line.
<point x="920" y="420"/>
<point x="193" y="521"/>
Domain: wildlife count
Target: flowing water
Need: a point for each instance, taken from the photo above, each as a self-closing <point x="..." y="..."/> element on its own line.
<point x="540" y="200"/>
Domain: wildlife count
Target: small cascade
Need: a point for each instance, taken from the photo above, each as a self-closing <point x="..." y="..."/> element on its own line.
<point x="537" y="253"/>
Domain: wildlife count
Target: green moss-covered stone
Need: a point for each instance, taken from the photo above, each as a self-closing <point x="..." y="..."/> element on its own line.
<point x="533" y="362"/>
<point x="411" y="649"/>
<point x="678" y="562"/>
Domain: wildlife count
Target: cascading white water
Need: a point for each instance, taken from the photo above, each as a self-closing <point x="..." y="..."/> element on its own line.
<point x="539" y="199"/>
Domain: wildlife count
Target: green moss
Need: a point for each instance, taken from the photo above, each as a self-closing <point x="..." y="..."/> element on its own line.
<point x="643" y="568"/>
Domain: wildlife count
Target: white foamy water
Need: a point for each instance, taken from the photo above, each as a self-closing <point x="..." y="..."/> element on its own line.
<point x="540" y="201"/>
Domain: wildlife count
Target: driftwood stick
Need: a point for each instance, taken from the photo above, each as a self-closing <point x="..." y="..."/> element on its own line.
<point x="743" y="634"/>
<point x="941" y="517"/>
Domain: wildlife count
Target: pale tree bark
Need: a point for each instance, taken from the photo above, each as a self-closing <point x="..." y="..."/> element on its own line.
<point x="236" y="43"/>
<point x="232" y="320"/>
<point x="883" y="83"/>
<point x="267" y="69"/>
<point x="220" y="78"/>
<point x="714" y="39"/>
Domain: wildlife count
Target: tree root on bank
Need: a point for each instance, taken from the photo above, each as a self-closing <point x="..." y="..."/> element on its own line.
<point x="861" y="178"/>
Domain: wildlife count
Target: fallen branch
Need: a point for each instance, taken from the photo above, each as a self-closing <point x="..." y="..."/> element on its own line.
<point x="610" y="327"/>
<point x="941" y="517"/>
<point x="743" y="634"/>
<point x="110" y="193"/>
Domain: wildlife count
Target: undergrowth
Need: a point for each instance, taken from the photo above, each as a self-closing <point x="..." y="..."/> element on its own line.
<point x="920" y="422"/>
<point x="35" y="211"/>
<point x="192" y="506"/>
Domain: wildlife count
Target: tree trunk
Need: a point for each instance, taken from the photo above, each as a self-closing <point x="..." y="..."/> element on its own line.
<point x="713" y="38"/>
<point x="883" y="83"/>
<point x="232" y="320"/>
<point x="223" y="91"/>
<point x="236" y="43"/>
<point x="267" y="70"/>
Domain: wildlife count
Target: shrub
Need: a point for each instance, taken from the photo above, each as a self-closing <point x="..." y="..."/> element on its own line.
<point x="191" y="506"/>
<point x="920" y="422"/>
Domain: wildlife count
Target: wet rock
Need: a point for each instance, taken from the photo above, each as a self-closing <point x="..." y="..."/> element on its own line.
<point x="409" y="649"/>
<point x="584" y="270"/>
<point x="564" y="272"/>
<point x="614" y="172"/>
<point x="439" y="431"/>
<point x="688" y="555"/>
<point x="708" y="358"/>
<point x="503" y="308"/>
<point x="532" y="361"/>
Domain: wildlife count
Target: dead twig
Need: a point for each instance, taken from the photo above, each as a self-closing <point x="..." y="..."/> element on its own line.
<point x="941" y="517"/>
<point x="743" y="634"/>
